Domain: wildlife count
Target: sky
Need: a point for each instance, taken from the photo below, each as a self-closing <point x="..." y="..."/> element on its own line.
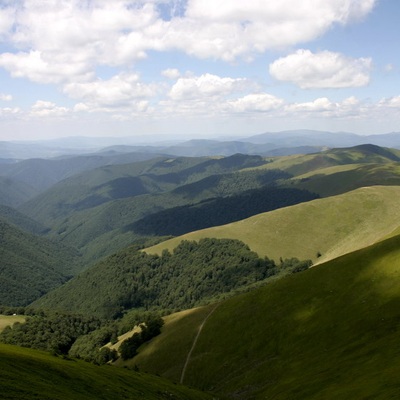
<point x="197" y="68"/>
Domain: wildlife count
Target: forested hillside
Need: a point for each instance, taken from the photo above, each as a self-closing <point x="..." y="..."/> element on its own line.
<point x="14" y="217"/>
<point x="191" y="274"/>
<point x="31" y="265"/>
<point x="14" y="193"/>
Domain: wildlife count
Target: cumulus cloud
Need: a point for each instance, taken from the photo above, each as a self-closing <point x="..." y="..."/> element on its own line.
<point x="5" y="97"/>
<point x="392" y="102"/>
<point x="66" y="40"/>
<point x="259" y="102"/>
<point x="10" y="112"/>
<point x="321" y="70"/>
<point x="206" y="86"/>
<point x="229" y="29"/>
<point x="171" y="73"/>
<point x="47" y="109"/>
<point x="38" y="67"/>
<point x="348" y="108"/>
<point x="120" y="90"/>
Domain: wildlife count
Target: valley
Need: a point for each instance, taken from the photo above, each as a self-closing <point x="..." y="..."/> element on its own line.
<point x="214" y="274"/>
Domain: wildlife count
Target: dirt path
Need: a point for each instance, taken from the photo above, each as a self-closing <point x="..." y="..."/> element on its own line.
<point x="195" y="342"/>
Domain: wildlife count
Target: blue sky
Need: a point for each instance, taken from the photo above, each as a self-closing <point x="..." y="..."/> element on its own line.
<point x="197" y="68"/>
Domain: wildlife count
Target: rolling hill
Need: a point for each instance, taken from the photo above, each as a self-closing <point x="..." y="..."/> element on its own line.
<point x="105" y="209"/>
<point x="320" y="230"/>
<point x="41" y="173"/>
<point x="90" y="210"/>
<point x="330" y="332"/>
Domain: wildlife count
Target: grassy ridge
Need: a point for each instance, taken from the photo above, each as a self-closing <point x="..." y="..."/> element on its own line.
<point x="334" y="336"/>
<point x="28" y="374"/>
<point x="331" y="226"/>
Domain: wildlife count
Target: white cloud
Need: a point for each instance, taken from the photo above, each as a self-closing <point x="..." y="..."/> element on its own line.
<point x="40" y="68"/>
<point x="5" y="97"/>
<point x="392" y="102"/>
<point x="260" y="102"/>
<point x="65" y="40"/>
<point x="171" y="73"/>
<point x="348" y="108"/>
<point x="9" y="112"/>
<point x="229" y="29"/>
<point x="321" y="70"/>
<point x="120" y="90"/>
<point x="45" y="109"/>
<point x="6" y="21"/>
<point x="206" y="86"/>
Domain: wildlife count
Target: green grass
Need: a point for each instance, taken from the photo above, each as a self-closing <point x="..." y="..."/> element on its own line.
<point x="331" y="226"/>
<point x="28" y="374"/>
<point x="331" y="332"/>
<point x="8" y="320"/>
<point x="172" y="346"/>
<point x="340" y="179"/>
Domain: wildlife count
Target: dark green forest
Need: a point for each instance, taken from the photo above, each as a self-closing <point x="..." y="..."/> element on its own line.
<point x="99" y="304"/>
<point x="31" y="265"/>
<point x="194" y="273"/>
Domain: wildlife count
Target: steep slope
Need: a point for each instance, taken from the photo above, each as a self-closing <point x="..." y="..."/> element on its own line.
<point x="14" y="217"/>
<point x="14" y="193"/>
<point x="330" y="332"/>
<point x="31" y="265"/>
<point x="320" y="230"/>
<point x="30" y="374"/>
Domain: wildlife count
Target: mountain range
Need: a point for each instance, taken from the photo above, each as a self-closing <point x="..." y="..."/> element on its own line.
<point x="271" y="260"/>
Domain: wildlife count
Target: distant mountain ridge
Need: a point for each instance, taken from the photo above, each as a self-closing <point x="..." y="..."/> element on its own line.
<point x="257" y="144"/>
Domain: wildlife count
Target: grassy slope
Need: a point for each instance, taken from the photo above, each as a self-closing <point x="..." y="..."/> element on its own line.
<point x="332" y="226"/>
<point x="331" y="332"/>
<point x="338" y="171"/>
<point x="340" y="179"/>
<point x="29" y="374"/>
<point x="8" y="320"/>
